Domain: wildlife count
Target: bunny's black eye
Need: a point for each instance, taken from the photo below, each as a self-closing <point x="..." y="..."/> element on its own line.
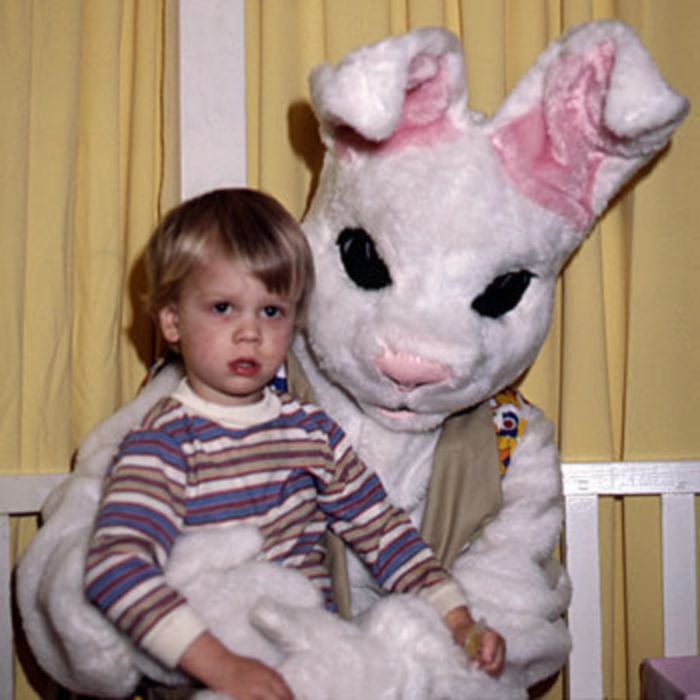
<point x="503" y="294"/>
<point x="361" y="259"/>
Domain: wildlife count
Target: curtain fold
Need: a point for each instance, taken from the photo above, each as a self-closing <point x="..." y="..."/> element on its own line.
<point x="86" y="169"/>
<point x="617" y="372"/>
<point x="88" y="143"/>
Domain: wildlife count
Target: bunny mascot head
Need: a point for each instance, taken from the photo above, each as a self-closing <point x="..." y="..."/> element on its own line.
<point x="438" y="235"/>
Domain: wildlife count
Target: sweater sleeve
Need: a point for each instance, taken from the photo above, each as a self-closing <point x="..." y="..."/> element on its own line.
<point x="138" y="521"/>
<point x="381" y="534"/>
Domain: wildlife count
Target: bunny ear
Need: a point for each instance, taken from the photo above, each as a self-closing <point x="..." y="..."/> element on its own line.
<point x="588" y="115"/>
<point x="401" y="90"/>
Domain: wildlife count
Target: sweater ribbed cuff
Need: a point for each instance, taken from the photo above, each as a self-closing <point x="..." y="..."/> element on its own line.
<point x="168" y="640"/>
<point x="445" y="596"/>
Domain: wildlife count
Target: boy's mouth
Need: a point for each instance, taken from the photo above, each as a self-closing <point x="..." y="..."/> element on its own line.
<point x="244" y="367"/>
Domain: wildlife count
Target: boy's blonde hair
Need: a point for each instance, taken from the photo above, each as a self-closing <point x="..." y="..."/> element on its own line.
<point x="250" y="226"/>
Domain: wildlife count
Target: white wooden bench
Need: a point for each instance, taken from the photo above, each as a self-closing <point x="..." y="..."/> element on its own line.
<point x="675" y="482"/>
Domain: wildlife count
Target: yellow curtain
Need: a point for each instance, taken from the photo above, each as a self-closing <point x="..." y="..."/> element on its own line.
<point x="87" y="165"/>
<point x="618" y="373"/>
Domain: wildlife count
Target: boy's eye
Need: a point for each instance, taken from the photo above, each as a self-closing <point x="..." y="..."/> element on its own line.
<point x="221" y="307"/>
<point x="272" y="311"/>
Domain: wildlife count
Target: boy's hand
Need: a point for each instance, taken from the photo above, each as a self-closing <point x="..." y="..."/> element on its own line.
<point x="239" y="677"/>
<point x="483" y="645"/>
<point x="252" y="680"/>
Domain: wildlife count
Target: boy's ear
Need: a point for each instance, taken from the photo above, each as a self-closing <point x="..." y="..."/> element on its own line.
<point x="169" y="322"/>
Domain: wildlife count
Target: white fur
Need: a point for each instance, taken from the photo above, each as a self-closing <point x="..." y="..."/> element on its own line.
<point x="451" y="203"/>
<point x="367" y="88"/>
<point x="217" y="571"/>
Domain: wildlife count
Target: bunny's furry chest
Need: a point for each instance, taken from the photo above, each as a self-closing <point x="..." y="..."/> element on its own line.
<point x="404" y="461"/>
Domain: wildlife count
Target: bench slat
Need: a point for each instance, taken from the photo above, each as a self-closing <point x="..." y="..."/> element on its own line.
<point x="679" y="574"/>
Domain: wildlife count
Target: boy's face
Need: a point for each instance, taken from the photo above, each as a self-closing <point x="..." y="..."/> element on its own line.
<point x="233" y="333"/>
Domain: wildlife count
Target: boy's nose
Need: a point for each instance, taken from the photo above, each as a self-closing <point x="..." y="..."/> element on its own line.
<point x="247" y="330"/>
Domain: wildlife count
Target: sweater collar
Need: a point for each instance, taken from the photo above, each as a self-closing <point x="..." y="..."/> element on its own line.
<point x="238" y="417"/>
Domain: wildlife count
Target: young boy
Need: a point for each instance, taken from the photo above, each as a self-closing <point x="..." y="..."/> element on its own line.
<point x="230" y="276"/>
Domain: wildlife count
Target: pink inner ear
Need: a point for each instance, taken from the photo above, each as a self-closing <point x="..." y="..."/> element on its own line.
<point x="424" y="119"/>
<point x="428" y="92"/>
<point x="554" y="151"/>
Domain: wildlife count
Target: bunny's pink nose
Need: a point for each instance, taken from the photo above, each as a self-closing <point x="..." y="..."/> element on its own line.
<point x="410" y="371"/>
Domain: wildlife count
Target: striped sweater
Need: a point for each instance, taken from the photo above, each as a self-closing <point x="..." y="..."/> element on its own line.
<point x="281" y="465"/>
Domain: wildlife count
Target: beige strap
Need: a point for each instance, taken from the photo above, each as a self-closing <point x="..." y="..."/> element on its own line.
<point x="465" y="487"/>
<point x="297" y="382"/>
<point x="340" y="581"/>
